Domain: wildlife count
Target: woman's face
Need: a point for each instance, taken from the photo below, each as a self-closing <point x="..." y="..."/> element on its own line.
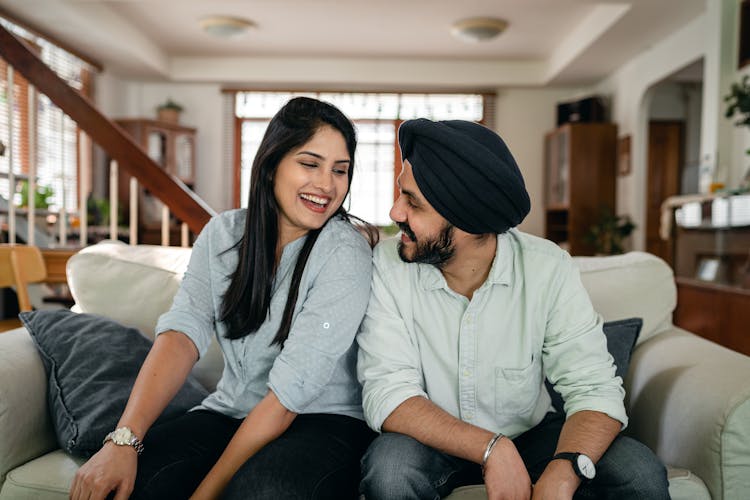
<point x="310" y="183"/>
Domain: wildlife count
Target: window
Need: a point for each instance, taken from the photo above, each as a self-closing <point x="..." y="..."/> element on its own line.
<point x="55" y="137"/>
<point x="376" y="117"/>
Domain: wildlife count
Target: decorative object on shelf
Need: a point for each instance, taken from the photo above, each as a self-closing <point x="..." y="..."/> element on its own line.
<point x="623" y="155"/>
<point x="169" y="111"/>
<point x="42" y="196"/>
<point x="609" y="232"/>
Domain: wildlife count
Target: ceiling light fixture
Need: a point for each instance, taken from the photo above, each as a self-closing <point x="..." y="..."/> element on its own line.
<point x="478" y="29"/>
<point x="225" y="26"/>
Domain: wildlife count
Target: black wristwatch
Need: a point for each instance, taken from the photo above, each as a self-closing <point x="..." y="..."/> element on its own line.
<point x="583" y="466"/>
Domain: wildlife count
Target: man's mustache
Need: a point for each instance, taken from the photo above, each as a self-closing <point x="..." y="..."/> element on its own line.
<point x="407" y="230"/>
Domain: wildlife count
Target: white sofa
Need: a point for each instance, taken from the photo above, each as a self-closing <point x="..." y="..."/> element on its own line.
<point x="688" y="399"/>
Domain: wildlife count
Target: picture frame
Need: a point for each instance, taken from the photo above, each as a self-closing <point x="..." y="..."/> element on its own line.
<point x="623" y="156"/>
<point x="709" y="269"/>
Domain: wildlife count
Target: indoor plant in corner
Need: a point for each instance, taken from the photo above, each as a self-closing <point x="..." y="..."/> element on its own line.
<point x="738" y="102"/>
<point x="609" y="232"/>
<point x="169" y="111"/>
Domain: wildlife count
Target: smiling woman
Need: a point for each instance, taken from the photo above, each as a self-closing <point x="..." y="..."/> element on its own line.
<point x="268" y="282"/>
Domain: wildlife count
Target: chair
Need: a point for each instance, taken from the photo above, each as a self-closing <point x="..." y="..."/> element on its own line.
<point x="20" y="265"/>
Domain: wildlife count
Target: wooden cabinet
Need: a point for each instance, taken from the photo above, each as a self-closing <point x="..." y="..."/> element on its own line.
<point x="717" y="312"/>
<point x="579" y="182"/>
<point x="173" y="148"/>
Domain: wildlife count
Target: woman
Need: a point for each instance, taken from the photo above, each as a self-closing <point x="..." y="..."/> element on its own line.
<point x="284" y="284"/>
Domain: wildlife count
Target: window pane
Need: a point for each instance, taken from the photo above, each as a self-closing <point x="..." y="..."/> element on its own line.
<point x="375" y="116"/>
<point x="252" y="134"/>
<point x="371" y="194"/>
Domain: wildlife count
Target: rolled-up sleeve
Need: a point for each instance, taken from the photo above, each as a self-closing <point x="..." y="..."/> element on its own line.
<point x="324" y="329"/>
<point x="575" y="352"/>
<point x="388" y="364"/>
<point x="192" y="311"/>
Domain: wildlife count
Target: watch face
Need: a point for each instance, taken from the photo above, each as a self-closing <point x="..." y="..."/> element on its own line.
<point x="586" y="466"/>
<point x="122" y="436"/>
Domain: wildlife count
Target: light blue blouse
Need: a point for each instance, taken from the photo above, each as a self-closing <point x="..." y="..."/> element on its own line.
<point x="315" y="372"/>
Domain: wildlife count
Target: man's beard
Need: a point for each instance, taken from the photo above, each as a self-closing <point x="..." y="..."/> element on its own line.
<point x="437" y="251"/>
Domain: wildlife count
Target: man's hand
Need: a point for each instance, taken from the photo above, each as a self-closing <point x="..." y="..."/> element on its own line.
<point x="505" y="474"/>
<point x="112" y="468"/>
<point x="558" y="482"/>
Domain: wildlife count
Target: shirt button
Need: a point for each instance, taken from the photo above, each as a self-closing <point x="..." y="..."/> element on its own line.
<point x="467" y="373"/>
<point x="469" y="415"/>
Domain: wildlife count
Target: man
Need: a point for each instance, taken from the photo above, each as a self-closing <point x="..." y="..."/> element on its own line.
<point x="467" y="317"/>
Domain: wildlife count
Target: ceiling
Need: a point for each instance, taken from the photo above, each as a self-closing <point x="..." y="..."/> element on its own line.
<point x="561" y="42"/>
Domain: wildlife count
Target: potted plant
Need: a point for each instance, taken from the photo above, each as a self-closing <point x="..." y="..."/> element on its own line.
<point x="608" y="234"/>
<point x="738" y="102"/>
<point x="42" y="197"/>
<point x="169" y="111"/>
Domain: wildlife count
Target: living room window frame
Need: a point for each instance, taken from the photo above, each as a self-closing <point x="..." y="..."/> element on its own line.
<point x="488" y="101"/>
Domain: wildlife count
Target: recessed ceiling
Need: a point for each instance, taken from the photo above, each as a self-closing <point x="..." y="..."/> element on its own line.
<point x="558" y="41"/>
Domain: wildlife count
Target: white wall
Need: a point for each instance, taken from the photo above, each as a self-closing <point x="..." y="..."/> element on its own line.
<point x="630" y="91"/>
<point x="203" y="105"/>
<point x="522" y="118"/>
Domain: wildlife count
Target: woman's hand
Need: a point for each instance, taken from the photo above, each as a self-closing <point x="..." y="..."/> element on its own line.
<point x="112" y="468"/>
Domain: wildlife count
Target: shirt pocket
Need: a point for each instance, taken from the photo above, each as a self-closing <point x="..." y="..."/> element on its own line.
<point x="517" y="389"/>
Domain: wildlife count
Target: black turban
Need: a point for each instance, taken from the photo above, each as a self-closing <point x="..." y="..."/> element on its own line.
<point x="466" y="172"/>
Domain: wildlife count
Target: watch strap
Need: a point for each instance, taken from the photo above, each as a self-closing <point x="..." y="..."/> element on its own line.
<point x="573" y="459"/>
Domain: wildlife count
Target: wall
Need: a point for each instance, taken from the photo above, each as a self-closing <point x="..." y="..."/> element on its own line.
<point x="203" y="110"/>
<point x="629" y="89"/>
<point x="522" y="118"/>
<point x="675" y="101"/>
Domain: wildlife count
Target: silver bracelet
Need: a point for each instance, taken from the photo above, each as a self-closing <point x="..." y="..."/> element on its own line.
<point x="497" y="437"/>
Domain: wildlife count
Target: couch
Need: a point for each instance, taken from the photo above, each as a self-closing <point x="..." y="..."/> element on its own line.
<point x="688" y="399"/>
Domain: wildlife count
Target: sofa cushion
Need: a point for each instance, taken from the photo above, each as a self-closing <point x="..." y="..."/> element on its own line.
<point x="621" y="338"/>
<point x="636" y="284"/>
<point x="92" y="363"/>
<point x="134" y="285"/>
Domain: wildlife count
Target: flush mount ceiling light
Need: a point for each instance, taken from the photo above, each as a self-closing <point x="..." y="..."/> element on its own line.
<point x="225" y="26"/>
<point x="478" y="29"/>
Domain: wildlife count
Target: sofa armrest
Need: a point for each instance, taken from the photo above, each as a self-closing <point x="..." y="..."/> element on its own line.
<point x="25" y="427"/>
<point x="689" y="401"/>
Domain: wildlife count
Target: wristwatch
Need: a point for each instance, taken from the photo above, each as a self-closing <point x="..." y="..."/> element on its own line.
<point x="123" y="436"/>
<point x="583" y="466"/>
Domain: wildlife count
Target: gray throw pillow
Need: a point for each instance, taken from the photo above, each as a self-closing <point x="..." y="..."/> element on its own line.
<point x="621" y="336"/>
<point x="91" y="364"/>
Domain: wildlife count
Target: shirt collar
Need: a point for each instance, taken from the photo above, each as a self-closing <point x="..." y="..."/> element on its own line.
<point x="501" y="272"/>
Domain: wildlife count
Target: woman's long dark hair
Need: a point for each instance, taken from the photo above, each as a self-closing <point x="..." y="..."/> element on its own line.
<point x="247" y="301"/>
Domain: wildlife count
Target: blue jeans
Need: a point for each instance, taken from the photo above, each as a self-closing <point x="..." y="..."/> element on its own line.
<point x="398" y="467"/>
<point x="317" y="458"/>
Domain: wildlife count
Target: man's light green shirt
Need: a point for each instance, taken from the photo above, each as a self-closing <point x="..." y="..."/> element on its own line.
<point x="484" y="360"/>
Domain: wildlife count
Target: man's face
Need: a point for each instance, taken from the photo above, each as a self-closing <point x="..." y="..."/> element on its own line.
<point x="426" y="237"/>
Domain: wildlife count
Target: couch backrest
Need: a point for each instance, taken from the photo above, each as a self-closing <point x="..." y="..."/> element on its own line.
<point x="136" y="284"/>
<point x="636" y="284"/>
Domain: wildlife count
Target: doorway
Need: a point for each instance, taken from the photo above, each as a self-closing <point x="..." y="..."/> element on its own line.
<point x="665" y="160"/>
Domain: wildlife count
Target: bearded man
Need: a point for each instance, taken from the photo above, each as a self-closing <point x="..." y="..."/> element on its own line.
<point x="466" y="319"/>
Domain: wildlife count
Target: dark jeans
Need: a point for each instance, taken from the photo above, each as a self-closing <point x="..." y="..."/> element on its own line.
<point x="316" y="458"/>
<point x="398" y="467"/>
